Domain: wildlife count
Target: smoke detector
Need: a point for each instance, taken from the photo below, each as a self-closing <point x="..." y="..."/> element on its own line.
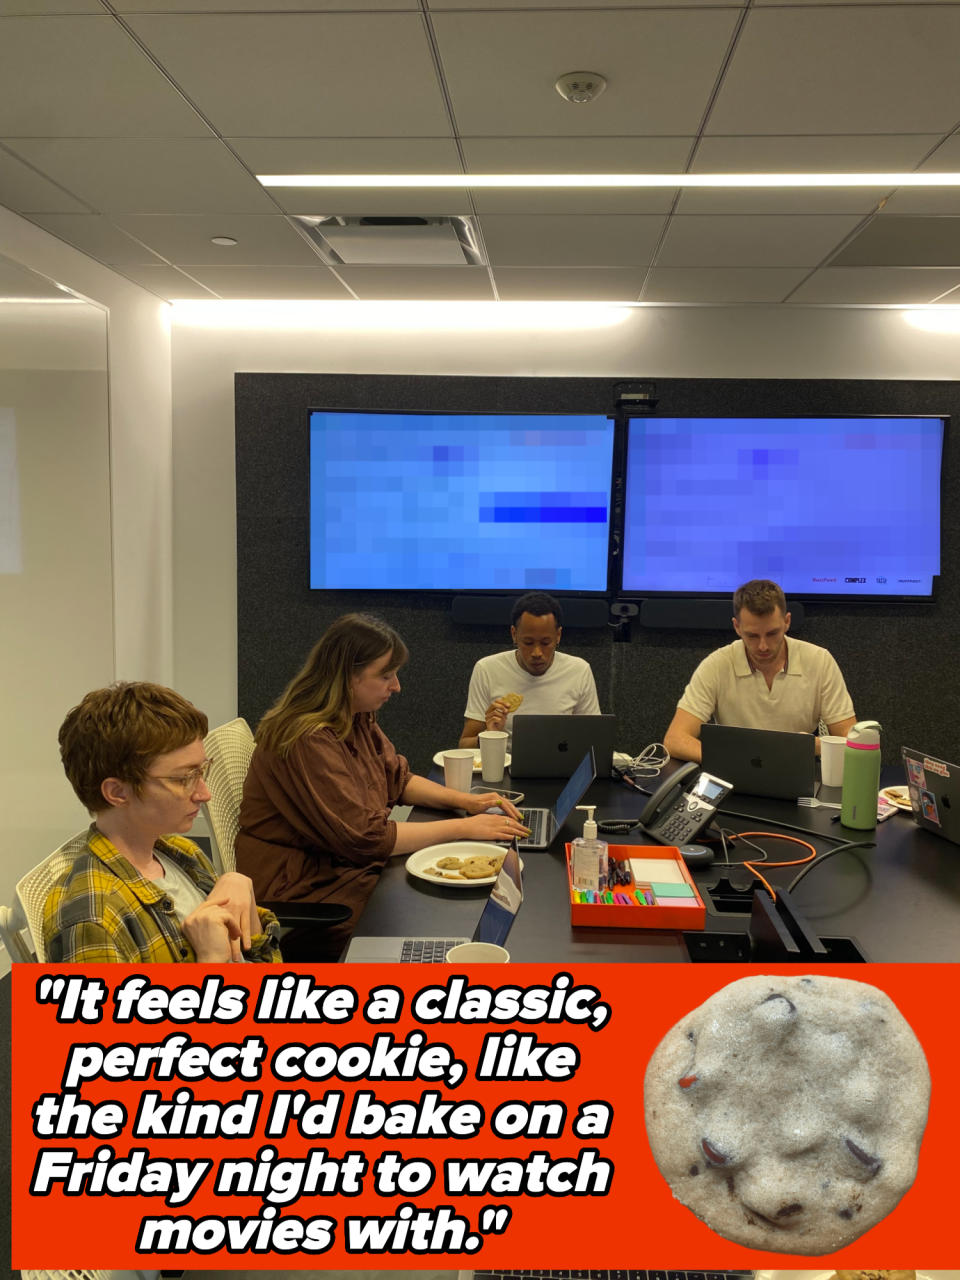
<point x="581" y="86"/>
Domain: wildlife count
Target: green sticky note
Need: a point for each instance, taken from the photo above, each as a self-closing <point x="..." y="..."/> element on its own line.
<point x="673" y="890"/>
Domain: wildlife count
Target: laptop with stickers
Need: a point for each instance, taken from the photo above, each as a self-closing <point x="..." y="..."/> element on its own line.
<point x="934" y="787"/>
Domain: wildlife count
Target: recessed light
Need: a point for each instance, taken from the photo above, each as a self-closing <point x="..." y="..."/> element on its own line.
<point x="547" y="180"/>
<point x="226" y="241"/>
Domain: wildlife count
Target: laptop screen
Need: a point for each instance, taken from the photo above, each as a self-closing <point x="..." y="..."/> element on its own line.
<point x="496" y="919"/>
<point x="580" y="779"/>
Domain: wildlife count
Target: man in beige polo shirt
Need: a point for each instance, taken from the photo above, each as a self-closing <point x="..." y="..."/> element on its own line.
<point x="761" y="680"/>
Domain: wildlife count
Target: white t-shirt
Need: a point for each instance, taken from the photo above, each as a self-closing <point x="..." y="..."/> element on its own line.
<point x="566" y="688"/>
<point x="726" y="688"/>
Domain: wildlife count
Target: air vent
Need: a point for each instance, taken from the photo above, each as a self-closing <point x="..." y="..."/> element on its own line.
<point x="400" y="241"/>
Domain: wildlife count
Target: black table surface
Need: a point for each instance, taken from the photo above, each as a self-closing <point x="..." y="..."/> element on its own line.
<point x="900" y="900"/>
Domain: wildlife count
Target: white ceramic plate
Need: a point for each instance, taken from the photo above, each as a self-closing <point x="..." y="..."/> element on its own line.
<point x="438" y="761"/>
<point x="825" y="1275"/>
<point x="899" y="797"/>
<point x="417" y="862"/>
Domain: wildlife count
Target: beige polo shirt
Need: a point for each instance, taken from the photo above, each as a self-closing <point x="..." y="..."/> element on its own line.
<point x="725" y="688"/>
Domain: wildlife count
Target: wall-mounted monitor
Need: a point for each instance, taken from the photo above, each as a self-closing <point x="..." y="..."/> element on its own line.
<point x="459" y="501"/>
<point x="831" y="508"/>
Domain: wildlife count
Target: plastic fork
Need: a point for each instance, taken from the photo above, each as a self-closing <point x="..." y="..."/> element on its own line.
<point x="811" y="802"/>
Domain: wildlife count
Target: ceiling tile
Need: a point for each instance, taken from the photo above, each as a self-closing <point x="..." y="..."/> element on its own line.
<point x="876" y="285"/>
<point x="261" y="240"/>
<point x="166" y="282"/>
<point x="559" y="240"/>
<point x="26" y="191"/>
<point x="348" y="155"/>
<point x="452" y="284"/>
<point x="33" y="8"/>
<point x="850" y="200"/>
<point x="569" y="284"/>
<point x="272" y="282"/>
<point x="904" y="242"/>
<point x="95" y="235"/>
<point x="362" y="202"/>
<point x="278" y="7"/>
<point x="843" y="69"/>
<point x="755" y="240"/>
<point x="720" y="284"/>
<point x="83" y="77"/>
<point x="946" y="159"/>
<point x="575" y="155"/>
<point x="321" y="77"/>
<point x="860" y="153"/>
<point x="190" y="175"/>
<point x="661" y="66"/>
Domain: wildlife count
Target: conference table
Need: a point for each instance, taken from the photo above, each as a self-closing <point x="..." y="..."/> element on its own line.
<point x="899" y="901"/>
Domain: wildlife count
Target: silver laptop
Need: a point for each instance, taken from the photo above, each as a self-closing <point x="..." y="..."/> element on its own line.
<point x="496" y="921"/>
<point x="545" y="824"/>
<point x="761" y="762"/>
<point x="551" y="746"/>
<point x="934" y="787"/>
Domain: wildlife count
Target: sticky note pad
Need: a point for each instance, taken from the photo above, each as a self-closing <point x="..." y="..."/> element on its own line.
<point x="677" y="902"/>
<point x="662" y="870"/>
<point x="667" y="889"/>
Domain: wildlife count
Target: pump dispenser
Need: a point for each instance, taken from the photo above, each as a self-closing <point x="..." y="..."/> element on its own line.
<point x="588" y="855"/>
<point x="861" y="776"/>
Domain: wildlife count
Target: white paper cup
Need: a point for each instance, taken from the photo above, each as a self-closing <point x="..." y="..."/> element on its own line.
<point x="477" y="953"/>
<point x="458" y="768"/>
<point x="493" y="754"/>
<point x="831" y="761"/>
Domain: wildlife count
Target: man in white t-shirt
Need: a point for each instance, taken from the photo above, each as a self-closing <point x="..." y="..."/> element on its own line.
<point x="762" y="680"/>
<point x="550" y="682"/>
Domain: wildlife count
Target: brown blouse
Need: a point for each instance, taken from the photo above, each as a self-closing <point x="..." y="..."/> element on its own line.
<point x="314" y="824"/>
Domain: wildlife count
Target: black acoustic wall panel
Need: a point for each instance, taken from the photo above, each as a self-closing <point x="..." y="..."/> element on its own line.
<point x="899" y="660"/>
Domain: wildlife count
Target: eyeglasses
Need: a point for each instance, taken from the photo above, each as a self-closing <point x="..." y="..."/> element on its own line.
<point x="185" y="782"/>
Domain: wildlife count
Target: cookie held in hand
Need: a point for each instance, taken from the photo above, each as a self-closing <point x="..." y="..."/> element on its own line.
<point x="787" y="1112"/>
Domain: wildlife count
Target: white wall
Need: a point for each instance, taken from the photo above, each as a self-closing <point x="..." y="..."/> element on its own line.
<point x="720" y="342"/>
<point x="92" y="598"/>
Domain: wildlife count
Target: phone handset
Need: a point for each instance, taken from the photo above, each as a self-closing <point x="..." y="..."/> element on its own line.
<point x="662" y="799"/>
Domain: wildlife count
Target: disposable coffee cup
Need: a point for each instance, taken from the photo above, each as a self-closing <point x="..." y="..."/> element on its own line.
<point x="831" y="761"/>
<point x="493" y="754"/>
<point x="458" y="768"/>
<point x="477" y="953"/>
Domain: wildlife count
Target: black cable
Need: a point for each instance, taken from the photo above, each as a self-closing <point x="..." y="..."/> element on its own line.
<point x="788" y="826"/>
<point x="840" y="848"/>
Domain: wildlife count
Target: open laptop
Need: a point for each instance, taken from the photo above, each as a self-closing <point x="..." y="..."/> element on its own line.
<point x="496" y="921"/>
<point x="934" y="787"/>
<point x="545" y="824"/>
<point x="761" y="762"/>
<point x="551" y="746"/>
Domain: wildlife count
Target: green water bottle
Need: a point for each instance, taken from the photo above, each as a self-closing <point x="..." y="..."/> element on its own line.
<point x="861" y="776"/>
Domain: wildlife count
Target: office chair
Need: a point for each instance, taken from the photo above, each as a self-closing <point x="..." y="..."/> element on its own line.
<point x="21" y="926"/>
<point x="229" y="748"/>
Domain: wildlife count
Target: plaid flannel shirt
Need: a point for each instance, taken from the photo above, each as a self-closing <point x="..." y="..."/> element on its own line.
<point x="104" y="911"/>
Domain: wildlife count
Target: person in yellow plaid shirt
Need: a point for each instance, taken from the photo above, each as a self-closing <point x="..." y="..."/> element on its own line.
<point x="141" y="892"/>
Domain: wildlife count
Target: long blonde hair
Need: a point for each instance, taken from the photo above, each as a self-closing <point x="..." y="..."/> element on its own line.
<point x="319" y="695"/>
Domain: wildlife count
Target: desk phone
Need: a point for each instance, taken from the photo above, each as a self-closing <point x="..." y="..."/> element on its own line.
<point x="679" y="809"/>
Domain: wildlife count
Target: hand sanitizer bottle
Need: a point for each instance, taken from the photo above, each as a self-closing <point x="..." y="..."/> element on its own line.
<point x="589" y="855"/>
<point x="861" y="776"/>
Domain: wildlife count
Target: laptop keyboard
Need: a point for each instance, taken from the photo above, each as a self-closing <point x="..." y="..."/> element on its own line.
<point x="534" y="819"/>
<point x="611" y="1275"/>
<point x="427" y="950"/>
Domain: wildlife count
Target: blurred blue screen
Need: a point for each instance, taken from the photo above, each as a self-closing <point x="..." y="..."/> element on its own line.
<point x="452" y="502"/>
<point x="824" y="506"/>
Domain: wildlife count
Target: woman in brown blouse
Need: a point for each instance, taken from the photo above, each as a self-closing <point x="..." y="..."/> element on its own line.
<point x="314" y="821"/>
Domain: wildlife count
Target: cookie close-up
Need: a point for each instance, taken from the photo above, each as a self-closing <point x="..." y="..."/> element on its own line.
<point x="787" y="1112"/>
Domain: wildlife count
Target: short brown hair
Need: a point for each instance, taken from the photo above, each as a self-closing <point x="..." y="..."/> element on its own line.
<point x="117" y="732"/>
<point x="760" y="596"/>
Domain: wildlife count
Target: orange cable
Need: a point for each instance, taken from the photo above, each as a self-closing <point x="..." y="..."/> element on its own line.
<point x="773" y="835"/>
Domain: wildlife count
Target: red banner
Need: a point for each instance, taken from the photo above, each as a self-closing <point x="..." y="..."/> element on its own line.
<point x="348" y="1116"/>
